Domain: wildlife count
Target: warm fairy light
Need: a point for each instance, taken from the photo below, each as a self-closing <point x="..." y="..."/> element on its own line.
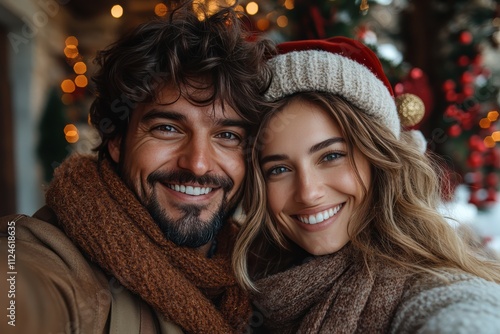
<point x="72" y="137"/>
<point x="81" y="81"/>
<point x="484" y="123"/>
<point x="71" y="40"/>
<point x="282" y="21"/>
<point x="68" y="86"/>
<point x="493" y="115"/>
<point x="71" y="133"/>
<point x="117" y="11"/>
<point x="289" y="4"/>
<point x="70" y="127"/>
<point x="489" y="142"/>
<point x="263" y="24"/>
<point x="205" y="9"/>
<point x="161" y="9"/>
<point x="496" y="136"/>
<point x="71" y="51"/>
<point x="230" y="2"/>
<point x="67" y="99"/>
<point x="364" y="5"/>
<point x="80" y="67"/>
<point x="252" y="8"/>
<point x="239" y="9"/>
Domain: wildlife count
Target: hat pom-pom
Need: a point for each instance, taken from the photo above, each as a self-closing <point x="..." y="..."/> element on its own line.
<point x="419" y="140"/>
<point x="411" y="109"/>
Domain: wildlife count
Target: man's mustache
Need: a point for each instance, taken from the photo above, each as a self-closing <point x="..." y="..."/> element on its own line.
<point x="170" y="177"/>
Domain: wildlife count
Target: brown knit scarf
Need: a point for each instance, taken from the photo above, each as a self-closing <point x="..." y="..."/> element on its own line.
<point x="104" y="218"/>
<point x="331" y="294"/>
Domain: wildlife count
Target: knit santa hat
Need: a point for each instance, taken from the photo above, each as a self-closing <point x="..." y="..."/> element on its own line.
<point x="347" y="68"/>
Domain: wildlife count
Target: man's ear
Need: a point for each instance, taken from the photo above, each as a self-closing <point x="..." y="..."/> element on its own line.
<point x="114" y="148"/>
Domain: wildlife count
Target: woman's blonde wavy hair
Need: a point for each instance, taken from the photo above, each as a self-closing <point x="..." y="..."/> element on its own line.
<point x="399" y="220"/>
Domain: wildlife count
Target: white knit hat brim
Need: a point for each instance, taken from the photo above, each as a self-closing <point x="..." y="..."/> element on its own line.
<point x="317" y="70"/>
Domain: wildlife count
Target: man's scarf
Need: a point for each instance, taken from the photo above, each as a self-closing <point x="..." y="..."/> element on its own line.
<point x="104" y="218"/>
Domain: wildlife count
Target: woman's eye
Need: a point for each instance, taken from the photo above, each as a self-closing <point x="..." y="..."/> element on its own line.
<point x="277" y="170"/>
<point x="332" y="156"/>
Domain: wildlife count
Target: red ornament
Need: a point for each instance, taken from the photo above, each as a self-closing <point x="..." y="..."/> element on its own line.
<point x="451" y="96"/>
<point x="468" y="90"/>
<point x="465" y="37"/>
<point x="455" y="130"/>
<point x="463" y="61"/>
<point x="475" y="160"/>
<point x="492" y="195"/>
<point x="449" y="85"/>
<point x="492" y="179"/>
<point x="467" y="78"/>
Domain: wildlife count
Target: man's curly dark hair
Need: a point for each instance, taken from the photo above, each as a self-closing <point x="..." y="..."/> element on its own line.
<point x="190" y="49"/>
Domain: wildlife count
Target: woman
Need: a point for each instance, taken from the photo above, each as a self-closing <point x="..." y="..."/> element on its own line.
<point x="351" y="241"/>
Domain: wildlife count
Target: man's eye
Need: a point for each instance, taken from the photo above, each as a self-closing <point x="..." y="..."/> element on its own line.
<point x="228" y="136"/>
<point x="165" y="128"/>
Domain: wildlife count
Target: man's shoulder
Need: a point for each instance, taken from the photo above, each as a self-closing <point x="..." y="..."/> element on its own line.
<point x="50" y="272"/>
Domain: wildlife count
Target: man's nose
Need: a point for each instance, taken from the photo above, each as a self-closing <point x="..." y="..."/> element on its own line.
<point x="197" y="156"/>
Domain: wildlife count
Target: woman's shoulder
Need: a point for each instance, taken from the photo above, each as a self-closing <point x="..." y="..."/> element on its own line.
<point x="451" y="302"/>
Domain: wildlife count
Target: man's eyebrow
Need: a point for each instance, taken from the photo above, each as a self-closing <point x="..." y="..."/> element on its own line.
<point x="325" y="143"/>
<point x="232" y="122"/>
<point x="155" y="113"/>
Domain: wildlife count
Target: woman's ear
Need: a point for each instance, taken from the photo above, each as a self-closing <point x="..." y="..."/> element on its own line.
<point x="114" y="148"/>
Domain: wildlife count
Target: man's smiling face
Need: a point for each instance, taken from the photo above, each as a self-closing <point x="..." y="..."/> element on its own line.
<point x="185" y="164"/>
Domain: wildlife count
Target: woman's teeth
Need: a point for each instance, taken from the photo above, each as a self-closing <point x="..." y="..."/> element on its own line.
<point x="321" y="216"/>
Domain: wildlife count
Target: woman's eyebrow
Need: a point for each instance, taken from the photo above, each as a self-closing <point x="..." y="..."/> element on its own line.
<point x="273" y="157"/>
<point x="325" y="143"/>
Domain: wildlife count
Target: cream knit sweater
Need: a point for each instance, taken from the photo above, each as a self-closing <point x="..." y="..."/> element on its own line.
<point x="468" y="305"/>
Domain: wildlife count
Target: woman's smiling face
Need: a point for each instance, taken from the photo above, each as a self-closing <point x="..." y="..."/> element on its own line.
<point x="312" y="190"/>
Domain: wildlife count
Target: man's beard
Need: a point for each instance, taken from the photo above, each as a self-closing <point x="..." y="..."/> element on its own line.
<point x="189" y="230"/>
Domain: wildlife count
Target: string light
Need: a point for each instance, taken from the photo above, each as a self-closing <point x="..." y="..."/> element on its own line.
<point x="282" y="21"/>
<point x="252" y="8"/>
<point x="80" y="67"/>
<point x="161" y="9"/>
<point x="117" y="11"/>
<point x="71" y="133"/>
<point x="493" y="115"/>
<point x="289" y="4"/>
<point x="484" y="123"/>
<point x="71" y="40"/>
<point x="364" y="6"/>
<point x="68" y="86"/>
<point x="81" y="81"/>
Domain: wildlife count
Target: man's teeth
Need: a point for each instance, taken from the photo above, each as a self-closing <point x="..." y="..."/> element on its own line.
<point x="321" y="216"/>
<point x="190" y="190"/>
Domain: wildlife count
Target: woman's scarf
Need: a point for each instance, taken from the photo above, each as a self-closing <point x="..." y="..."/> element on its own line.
<point x="103" y="217"/>
<point x="331" y="294"/>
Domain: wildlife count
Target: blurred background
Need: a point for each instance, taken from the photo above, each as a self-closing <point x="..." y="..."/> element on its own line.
<point x="444" y="51"/>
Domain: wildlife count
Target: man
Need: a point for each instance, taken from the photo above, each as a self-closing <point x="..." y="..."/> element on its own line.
<point x="139" y="239"/>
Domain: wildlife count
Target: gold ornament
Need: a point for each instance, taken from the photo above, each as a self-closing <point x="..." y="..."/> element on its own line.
<point x="411" y="109"/>
<point x="364" y="6"/>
